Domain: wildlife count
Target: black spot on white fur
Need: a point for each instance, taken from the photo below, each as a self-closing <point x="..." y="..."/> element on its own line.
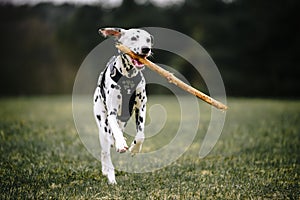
<point x="98" y="117"/>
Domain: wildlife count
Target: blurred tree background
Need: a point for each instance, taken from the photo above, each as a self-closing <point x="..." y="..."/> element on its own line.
<point x="254" y="43"/>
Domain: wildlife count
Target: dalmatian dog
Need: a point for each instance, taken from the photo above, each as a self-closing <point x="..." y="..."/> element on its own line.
<point x="120" y="93"/>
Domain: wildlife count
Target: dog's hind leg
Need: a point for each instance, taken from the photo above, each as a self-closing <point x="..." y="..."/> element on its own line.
<point x="107" y="166"/>
<point x="106" y="140"/>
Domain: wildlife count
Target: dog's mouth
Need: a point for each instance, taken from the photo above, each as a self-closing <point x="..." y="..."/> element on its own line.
<point x="137" y="63"/>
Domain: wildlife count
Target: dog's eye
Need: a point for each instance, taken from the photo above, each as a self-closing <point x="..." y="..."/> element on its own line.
<point x="133" y="39"/>
<point x="150" y="40"/>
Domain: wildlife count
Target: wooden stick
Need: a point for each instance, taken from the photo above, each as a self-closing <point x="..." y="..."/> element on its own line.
<point x="172" y="79"/>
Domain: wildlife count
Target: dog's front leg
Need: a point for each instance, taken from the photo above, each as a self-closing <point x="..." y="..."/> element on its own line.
<point x="113" y="102"/>
<point x="140" y="118"/>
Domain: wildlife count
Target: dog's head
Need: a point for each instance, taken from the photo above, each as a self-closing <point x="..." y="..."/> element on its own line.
<point x="137" y="40"/>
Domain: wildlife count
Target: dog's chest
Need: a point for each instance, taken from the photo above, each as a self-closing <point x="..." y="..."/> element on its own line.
<point x="121" y="74"/>
<point x="125" y="85"/>
<point x="128" y="86"/>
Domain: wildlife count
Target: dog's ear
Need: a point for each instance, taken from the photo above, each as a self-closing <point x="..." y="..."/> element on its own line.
<point x="115" y="32"/>
<point x="152" y="40"/>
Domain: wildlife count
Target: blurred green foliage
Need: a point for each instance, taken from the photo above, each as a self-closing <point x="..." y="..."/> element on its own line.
<point x="255" y="44"/>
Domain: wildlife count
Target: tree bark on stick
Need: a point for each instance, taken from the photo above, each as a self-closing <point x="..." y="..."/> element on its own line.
<point x="172" y="79"/>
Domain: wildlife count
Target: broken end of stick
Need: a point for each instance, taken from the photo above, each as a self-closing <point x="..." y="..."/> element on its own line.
<point x="221" y="106"/>
<point x="218" y="104"/>
<point x="224" y="108"/>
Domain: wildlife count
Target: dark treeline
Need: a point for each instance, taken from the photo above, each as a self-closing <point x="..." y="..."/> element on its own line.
<point x="254" y="43"/>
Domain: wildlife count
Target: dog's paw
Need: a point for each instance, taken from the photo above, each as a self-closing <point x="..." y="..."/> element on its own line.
<point x="110" y="174"/>
<point x="111" y="178"/>
<point x="135" y="147"/>
<point x="112" y="182"/>
<point x="121" y="145"/>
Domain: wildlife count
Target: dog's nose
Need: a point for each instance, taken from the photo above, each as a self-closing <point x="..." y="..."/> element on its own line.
<point x="145" y="50"/>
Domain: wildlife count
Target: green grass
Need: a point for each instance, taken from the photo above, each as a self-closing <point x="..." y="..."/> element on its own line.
<point x="257" y="156"/>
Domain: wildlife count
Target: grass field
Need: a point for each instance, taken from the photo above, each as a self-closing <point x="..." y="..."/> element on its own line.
<point x="257" y="156"/>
